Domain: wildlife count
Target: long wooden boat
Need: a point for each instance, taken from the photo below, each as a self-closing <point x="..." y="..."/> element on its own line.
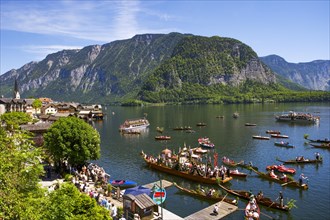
<point x="250" y="124"/>
<point x="323" y="145"/>
<point x="300" y="160"/>
<point x="252" y="213"/>
<point x="265" y="201"/>
<point x="273" y="132"/>
<point x="204" y="195"/>
<point x="260" y="137"/>
<point x="279" y="136"/>
<point x="163" y="137"/>
<point x="284" y="144"/>
<point x="184" y="174"/>
<point x="325" y="140"/>
<point x="201" y="124"/>
<point x="286" y="182"/>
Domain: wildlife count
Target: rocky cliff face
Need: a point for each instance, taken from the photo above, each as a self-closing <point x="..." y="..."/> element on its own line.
<point x="313" y="75"/>
<point x="120" y="69"/>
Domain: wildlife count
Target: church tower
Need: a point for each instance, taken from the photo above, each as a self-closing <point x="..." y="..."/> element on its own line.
<point x="16" y="92"/>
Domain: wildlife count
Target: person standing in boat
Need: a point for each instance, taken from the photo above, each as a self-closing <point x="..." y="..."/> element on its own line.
<point x="301" y="178"/>
<point x="280" y="197"/>
<point x="317" y="156"/>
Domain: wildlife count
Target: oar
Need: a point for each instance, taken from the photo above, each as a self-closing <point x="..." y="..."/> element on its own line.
<point x="271" y="204"/>
<point x="223" y="198"/>
<point x="284" y="184"/>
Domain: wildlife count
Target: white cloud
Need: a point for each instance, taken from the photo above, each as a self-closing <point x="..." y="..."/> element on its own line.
<point x="41" y="51"/>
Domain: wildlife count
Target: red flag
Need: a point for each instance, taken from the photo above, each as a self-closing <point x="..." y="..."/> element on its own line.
<point x="215" y="159"/>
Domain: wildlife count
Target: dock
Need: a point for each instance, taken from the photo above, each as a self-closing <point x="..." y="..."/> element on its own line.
<point x="207" y="213"/>
<point x="164" y="184"/>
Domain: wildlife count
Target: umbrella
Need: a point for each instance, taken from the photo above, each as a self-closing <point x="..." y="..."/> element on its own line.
<point x="137" y="190"/>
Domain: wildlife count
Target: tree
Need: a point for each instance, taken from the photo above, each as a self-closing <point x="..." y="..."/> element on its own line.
<point x="14" y="119"/>
<point x="36" y="104"/>
<point x="74" y="140"/>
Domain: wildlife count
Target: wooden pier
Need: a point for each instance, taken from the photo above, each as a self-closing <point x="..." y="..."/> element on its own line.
<point x="164" y="184"/>
<point x="207" y="213"/>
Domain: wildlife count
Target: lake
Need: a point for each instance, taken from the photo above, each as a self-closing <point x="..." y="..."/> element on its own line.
<point x="120" y="154"/>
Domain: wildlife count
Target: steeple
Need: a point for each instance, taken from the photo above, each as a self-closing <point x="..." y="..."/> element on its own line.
<point x="16" y="92"/>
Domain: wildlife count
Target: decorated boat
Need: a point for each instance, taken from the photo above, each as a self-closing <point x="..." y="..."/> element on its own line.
<point x="284" y="182"/>
<point x="252" y="211"/>
<point x="284" y="144"/>
<point x="182" y="168"/>
<point x="260" y="137"/>
<point x="301" y="160"/>
<point x="279" y="136"/>
<point x="281" y="168"/>
<point x="134" y="124"/>
<point x="261" y="199"/>
<point x="208" y="195"/>
<point x="297" y="117"/>
<point x="205" y="142"/>
<point x="273" y="132"/>
<point x="123" y="183"/>
<point x="163" y="137"/>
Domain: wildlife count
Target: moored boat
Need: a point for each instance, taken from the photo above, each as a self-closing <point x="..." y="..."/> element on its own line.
<point x="188" y="173"/>
<point x="260" y="137"/>
<point x="284" y="144"/>
<point x="300" y="160"/>
<point x="279" y="136"/>
<point x="297" y="117"/>
<point x="163" y="137"/>
<point x="134" y="124"/>
<point x="207" y="195"/>
<point x="261" y="199"/>
<point x="123" y="183"/>
<point x="281" y="168"/>
<point x="284" y="182"/>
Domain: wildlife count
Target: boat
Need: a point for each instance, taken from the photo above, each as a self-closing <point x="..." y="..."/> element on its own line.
<point x="201" y="124"/>
<point x="159" y="195"/>
<point x="284" y="144"/>
<point x="284" y="182"/>
<point x="261" y="200"/>
<point x="123" y="183"/>
<point x="236" y="173"/>
<point x="199" y="150"/>
<point x="205" y="195"/>
<point x="131" y="132"/>
<point x="230" y="162"/>
<point x="297" y="117"/>
<point x="281" y="168"/>
<point x="220" y="116"/>
<point x="279" y="136"/>
<point x="205" y="142"/>
<point x="185" y="128"/>
<point x="273" y="132"/>
<point x="325" y="140"/>
<point x="252" y="211"/>
<point x="300" y="160"/>
<point x="191" y="175"/>
<point x="163" y="137"/>
<point x="322" y="145"/>
<point x="134" y="124"/>
<point x="235" y="115"/>
<point x="160" y="129"/>
<point x="260" y="137"/>
<point x="250" y="124"/>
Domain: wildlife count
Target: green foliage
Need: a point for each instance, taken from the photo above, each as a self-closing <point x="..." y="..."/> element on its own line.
<point x="14" y="119"/>
<point x="74" y="140"/>
<point x="37" y="104"/>
<point x="20" y="169"/>
<point x="291" y="204"/>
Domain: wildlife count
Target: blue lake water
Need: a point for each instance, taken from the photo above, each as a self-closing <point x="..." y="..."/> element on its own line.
<point x="120" y="154"/>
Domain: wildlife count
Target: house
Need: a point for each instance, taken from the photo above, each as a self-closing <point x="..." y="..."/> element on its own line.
<point x="49" y="109"/>
<point x="140" y="204"/>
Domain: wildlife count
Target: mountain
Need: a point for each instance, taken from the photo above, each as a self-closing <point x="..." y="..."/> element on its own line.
<point x="151" y="67"/>
<point x="313" y="75"/>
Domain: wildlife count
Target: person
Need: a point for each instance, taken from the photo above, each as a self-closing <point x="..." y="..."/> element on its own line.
<point x="301" y="178"/>
<point x="317" y="156"/>
<point x="216" y="209"/>
<point x="281" y="199"/>
<point x="260" y="195"/>
<point x="113" y="211"/>
<point x="284" y="177"/>
<point x="272" y="174"/>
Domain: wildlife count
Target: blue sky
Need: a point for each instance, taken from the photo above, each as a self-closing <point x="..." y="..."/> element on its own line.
<point x="298" y="31"/>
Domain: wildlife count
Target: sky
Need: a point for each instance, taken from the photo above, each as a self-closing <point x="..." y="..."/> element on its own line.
<point x="296" y="30"/>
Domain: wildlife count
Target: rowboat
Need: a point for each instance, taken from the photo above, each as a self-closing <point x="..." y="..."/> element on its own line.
<point x="279" y="136"/>
<point x="199" y="150"/>
<point x="250" y="124"/>
<point x="283" y="182"/>
<point x="281" y="168"/>
<point x="323" y="145"/>
<point x="300" y="160"/>
<point x="123" y="183"/>
<point x="182" y="128"/>
<point x="252" y="211"/>
<point x="260" y="137"/>
<point x="273" y="132"/>
<point x="205" y="195"/>
<point x="159" y="195"/>
<point x="230" y="162"/>
<point x="201" y="124"/>
<point x="184" y="174"/>
<point x="284" y="144"/>
<point x="236" y="173"/>
<point x="205" y="142"/>
<point x="163" y="137"/>
<point x="235" y="115"/>
<point x="261" y="200"/>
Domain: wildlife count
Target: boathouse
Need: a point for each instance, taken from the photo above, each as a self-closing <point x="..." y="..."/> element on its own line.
<point x="140" y="204"/>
